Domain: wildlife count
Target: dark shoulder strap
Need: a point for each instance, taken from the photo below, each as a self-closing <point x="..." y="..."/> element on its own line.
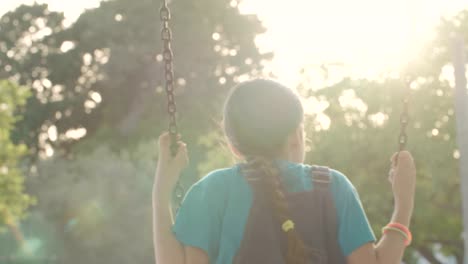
<point x="321" y="178"/>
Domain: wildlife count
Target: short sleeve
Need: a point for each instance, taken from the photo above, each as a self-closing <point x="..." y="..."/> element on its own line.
<point x="198" y="220"/>
<point x="354" y="229"/>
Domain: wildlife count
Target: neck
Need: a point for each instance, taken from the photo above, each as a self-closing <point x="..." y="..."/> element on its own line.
<point x="291" y="156"/>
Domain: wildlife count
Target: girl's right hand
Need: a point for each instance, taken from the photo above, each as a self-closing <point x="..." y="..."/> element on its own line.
<point x="403" y="179"/>
<point x="170" y="166"/>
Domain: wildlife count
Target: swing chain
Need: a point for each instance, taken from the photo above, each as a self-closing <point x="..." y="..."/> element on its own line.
<point x="168" y="55"/>
<point x="166" y="36"/>
<point x="404" y="120"/>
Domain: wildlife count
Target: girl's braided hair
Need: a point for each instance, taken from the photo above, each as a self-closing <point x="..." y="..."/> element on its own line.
<point x="259" y="115"/>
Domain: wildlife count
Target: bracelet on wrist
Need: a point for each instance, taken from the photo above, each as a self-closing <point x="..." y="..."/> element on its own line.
<point x="400" y="229"/>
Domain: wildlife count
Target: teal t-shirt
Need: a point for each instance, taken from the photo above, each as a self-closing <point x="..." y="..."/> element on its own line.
<point x="214" y="212"/>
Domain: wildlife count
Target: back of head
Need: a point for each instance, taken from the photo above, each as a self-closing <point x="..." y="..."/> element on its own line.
<point x="259" y="115"/>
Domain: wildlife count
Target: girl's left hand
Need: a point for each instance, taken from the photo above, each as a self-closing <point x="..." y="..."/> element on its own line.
<point x="167" y="162"/>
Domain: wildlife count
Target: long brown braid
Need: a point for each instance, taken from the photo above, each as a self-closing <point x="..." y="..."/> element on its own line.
<point x="273" y="189"/>
<point x="259" y="116"/>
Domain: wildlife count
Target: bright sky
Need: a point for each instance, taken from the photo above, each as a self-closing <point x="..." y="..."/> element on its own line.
<point x="363" y="37"/>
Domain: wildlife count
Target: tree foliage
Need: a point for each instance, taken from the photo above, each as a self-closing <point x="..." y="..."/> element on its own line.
<point x="104" y="71"/>
<point x="13" y="200"/>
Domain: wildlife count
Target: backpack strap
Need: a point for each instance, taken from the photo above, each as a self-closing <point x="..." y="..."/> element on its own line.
<point x="320" y="176"/>
<point x="321" y="179"/>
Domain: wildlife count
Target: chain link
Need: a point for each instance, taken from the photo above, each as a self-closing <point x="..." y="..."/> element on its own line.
<point x="168" y="56"/>
<point x="404" y="120"/>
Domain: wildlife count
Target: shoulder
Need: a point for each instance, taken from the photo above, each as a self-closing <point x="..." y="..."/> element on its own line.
<point x="340" y="186"/>
<point x="354" y="229"/>
<point x="200" y="217"/>
<point x="208" y="195"/>
<point x="340" y="181"/>
<point x="299" y="173"/>
<point x="217" y="178"/>
<point x="214" y="185"/>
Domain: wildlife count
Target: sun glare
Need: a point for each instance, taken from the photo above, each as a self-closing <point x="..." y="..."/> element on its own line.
<point x="367" y="37"/>
<point x="363" y="38"/>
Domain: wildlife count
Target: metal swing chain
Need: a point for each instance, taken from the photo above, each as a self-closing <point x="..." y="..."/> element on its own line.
<point x="404" y="120"/>
<point x="168" y="55"/>
<point x="405" y="117"/>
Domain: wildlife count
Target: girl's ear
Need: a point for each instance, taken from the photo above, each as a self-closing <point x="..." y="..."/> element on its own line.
<point x="295" y="145"/>
<point x="297" y="137"/>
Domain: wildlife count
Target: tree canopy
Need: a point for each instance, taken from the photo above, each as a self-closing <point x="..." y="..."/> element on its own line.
<point x="13" y="200"/>
<point x="104" y="71"/>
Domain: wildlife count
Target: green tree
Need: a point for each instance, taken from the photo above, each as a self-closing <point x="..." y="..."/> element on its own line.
<point x="13" y="200"/>
<point x="104" y="72"/>
<point x="29" y="56"/>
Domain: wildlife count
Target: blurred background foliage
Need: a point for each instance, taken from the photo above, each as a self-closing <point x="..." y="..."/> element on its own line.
<point x="82" y="105"/>
<point x="13" y="201"/>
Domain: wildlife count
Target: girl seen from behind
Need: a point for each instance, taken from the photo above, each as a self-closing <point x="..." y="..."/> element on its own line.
<point x="271" y="207"/>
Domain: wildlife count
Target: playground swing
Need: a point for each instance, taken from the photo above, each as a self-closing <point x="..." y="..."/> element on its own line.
<point x="168" y="55"/>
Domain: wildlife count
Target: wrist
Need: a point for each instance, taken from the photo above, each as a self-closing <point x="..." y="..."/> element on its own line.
<point x="404" y="205"/>
<point x="402" y="215"/>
